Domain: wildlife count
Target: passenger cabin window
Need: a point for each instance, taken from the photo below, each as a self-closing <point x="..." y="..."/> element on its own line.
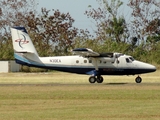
<point x="90" y="61"/>
<point x="85" y="61"/>
<point x="77" y="61"/>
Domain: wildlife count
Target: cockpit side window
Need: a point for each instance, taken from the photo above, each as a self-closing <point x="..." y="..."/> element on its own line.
<point x="127" y="60"/>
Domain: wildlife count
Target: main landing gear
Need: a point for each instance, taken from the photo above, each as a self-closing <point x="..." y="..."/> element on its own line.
<point x="98" y="79"/>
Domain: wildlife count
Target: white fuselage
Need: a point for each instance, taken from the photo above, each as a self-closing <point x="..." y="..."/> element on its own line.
<point x="122" y="65"/>
<point x="101" y="62"/>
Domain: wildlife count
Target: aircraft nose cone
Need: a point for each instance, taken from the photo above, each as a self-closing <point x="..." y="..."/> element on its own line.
<point x="150" y="68"/>
<point x="146" y="67"/>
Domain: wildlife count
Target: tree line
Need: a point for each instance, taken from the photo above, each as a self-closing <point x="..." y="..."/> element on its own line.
<point x="53" y="32"/>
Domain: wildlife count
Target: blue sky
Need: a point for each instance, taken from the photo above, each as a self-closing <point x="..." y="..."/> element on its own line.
<point x="76" y="8"/>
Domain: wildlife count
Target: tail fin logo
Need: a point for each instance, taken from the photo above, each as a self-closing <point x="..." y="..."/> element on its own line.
<point x="22" y="41"/>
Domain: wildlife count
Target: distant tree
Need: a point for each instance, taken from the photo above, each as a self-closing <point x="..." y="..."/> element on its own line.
<point x="111" y="26"/>
<point x="12" y="13"/>
<point x="145" y="26"/>
<point x="145" y="18"/>
<point x="52" y="32"/>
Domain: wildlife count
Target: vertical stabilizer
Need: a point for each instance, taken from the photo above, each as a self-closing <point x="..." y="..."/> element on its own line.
<point x="21" y="41"/>
<point x="24" y="50"/>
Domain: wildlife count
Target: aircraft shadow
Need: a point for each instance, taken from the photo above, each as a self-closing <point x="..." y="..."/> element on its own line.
<point x="116" y="83"/>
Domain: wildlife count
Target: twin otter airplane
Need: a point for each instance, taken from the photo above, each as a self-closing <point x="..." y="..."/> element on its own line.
<point x="85" y="61"/>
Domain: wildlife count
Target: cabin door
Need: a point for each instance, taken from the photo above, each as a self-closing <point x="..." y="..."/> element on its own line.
<point x="120" y="62"/>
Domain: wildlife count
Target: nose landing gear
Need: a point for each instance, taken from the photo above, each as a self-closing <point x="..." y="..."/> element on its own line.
<point x="138" y="79"/>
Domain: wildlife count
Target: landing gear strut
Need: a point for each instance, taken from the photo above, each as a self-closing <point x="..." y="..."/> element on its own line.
<point x="98" y="79"/>
<point x="138" y="79"/>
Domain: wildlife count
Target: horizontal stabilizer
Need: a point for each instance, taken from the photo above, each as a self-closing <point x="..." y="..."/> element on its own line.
<point x="24" y="52"/>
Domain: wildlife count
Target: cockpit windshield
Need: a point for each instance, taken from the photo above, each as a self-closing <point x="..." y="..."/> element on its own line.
<point x="131" y="58"/>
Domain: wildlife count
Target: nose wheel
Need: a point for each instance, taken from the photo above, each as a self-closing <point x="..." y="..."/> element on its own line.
<point x="98" y="79"/>
<point x="138" y="79"/>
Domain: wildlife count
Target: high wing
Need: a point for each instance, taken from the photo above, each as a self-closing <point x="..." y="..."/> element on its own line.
<point x="85" y="52"/>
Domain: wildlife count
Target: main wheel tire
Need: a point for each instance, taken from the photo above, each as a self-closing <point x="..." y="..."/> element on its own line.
<point x="100" y="79"/>
<point x="92" y="79"/>
<point x="138" y="79"/>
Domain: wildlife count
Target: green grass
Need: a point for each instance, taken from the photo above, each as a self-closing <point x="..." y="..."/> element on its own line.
<point x="61" y="96"/>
